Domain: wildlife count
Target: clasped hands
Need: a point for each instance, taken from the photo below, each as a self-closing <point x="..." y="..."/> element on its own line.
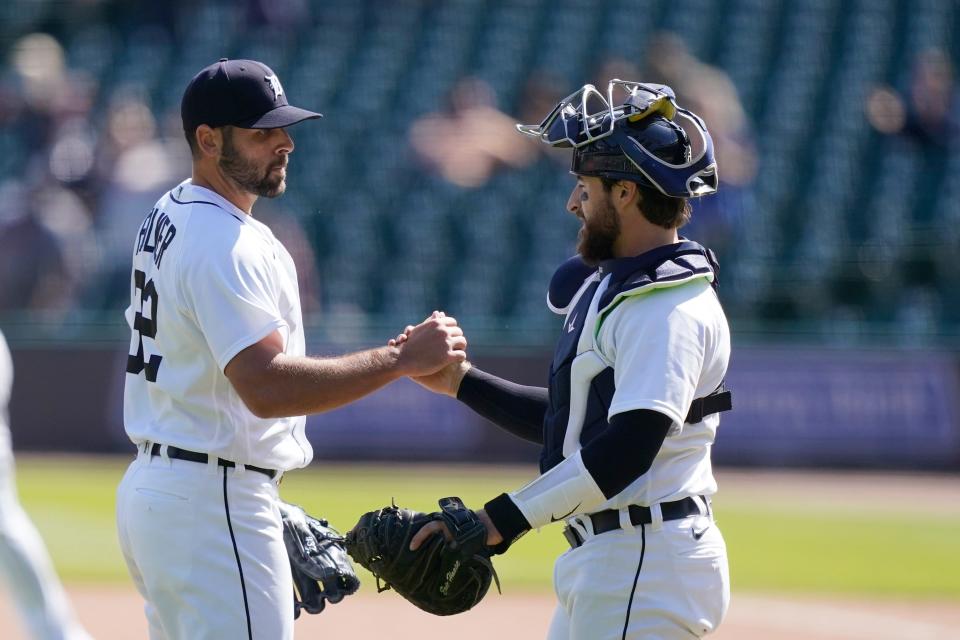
<point x="437" y="349"/>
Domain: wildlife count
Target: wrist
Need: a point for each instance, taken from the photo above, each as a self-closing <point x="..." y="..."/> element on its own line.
<point x="505" y="519"/>
<point x="393" y="364"/>
<point x="493" y="535"/>
<point x="466" y="376"/>
<point x="456" y="379"/>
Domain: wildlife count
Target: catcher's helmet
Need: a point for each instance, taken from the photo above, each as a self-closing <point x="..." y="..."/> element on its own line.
<point x="645" y="137"/>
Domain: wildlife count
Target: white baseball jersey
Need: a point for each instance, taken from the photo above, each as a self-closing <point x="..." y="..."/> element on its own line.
<point x="665" y="345"/>
<point x="208" y="281"/>
<point x="668" y="347"/>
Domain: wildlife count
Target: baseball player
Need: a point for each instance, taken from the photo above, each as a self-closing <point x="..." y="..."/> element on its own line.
<point x="636" y="384"/>
<point x="217" y="383"/>
<point x="23" y="559"/>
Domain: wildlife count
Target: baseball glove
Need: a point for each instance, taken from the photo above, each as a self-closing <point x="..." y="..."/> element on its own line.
<point x="321" y="569"/>
<point x="441" y="577"/>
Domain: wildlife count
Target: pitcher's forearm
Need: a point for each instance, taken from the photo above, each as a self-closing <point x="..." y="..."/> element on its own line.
<point x="295" y="386"/>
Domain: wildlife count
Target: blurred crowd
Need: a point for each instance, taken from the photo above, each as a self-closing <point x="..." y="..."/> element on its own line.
<point x="72" y="205"/>
<point x="927" y="110"/>
<point x="89" y="140"/>
<point x="471" y="139"/>
<point x="69" y="208"/>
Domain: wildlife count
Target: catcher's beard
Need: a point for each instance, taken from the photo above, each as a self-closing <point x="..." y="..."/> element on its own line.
<point x="261" y="181"/>
<point x="599" y="233"/>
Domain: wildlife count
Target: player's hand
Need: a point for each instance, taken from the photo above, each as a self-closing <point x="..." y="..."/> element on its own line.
<point x="446" y="381"/>
<point x="431" y="528"/>
<point x="430" y="346"/>
<point x="402" y="337"/>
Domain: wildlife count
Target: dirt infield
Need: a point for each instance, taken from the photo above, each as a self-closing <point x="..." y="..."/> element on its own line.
<point x="115" y="613"/>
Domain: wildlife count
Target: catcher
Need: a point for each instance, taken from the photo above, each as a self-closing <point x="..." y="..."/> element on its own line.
<point x="630" y="413"/>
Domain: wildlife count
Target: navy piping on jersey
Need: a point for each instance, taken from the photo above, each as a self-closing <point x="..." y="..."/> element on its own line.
<point x="633" y="591"/>
<point x="212" y="204"/>
<point x="236" y="553"/>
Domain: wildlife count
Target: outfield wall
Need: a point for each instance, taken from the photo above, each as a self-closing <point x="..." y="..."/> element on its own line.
<point x="793" y="407"/>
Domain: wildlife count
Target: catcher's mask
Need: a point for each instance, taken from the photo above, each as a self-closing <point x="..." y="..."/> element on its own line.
<point x="636" y="132"/>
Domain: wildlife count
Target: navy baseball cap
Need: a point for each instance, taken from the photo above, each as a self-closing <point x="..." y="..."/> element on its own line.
<point x="241" y="93"/>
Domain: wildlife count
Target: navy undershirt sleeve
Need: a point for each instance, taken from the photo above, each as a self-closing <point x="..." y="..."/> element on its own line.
<point x="618" y="456"/>
<point x="625" y="451"/>
<point x="514" y="407"/>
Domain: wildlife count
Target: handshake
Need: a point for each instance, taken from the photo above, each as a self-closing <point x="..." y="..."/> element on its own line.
<point x="433" y="353"/>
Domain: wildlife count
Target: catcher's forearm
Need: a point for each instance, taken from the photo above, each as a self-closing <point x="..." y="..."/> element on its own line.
<point x="514" y="407"/>
<point x="583" y="481"/>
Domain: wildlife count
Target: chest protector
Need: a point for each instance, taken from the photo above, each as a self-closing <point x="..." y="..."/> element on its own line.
<point x="581" y="382"/>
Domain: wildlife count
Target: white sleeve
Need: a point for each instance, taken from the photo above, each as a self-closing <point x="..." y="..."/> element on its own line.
<point x="232" y="293"/>
<point x="566" y="489"/>
<point x="658" y="354"/>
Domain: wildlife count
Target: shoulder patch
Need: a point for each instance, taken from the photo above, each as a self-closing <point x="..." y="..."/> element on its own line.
<point x="566" y="282"/>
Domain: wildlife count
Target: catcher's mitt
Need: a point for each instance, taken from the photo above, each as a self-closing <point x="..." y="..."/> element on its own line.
<point x="441" y="577"/>
<point x="321" y="569"/>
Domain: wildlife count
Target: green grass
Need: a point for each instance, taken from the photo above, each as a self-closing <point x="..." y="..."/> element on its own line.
<point x="870" y="551"/>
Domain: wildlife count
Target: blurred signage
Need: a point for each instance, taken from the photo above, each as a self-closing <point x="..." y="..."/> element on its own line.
<point x="824" y="407"/>
<point x="813" y="407"/>
<point x="401" y="421"/>
<point x="791" y="407"/>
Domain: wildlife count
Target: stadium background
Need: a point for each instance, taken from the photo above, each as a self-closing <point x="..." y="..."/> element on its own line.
<point x="836" y="124"/>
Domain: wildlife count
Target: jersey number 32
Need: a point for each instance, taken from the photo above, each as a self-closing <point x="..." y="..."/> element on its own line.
<point x="144" y="327"/>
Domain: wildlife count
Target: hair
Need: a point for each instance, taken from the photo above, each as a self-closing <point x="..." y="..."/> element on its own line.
<point x="663" y="211"/>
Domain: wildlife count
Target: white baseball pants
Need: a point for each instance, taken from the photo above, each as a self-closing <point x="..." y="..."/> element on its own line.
<point x="204" y="546"/>
<point x="656" y="582"/>
<point x="27" y="569"/>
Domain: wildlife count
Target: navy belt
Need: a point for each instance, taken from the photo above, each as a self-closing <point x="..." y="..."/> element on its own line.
<point x="193" y="456"/>
<point x="609" y="520"/>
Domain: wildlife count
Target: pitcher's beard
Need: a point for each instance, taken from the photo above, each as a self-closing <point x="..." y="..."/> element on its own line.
<point x="265" y="183"/>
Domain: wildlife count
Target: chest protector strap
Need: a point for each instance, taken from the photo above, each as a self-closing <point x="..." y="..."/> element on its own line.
<point x="717" y="402"/>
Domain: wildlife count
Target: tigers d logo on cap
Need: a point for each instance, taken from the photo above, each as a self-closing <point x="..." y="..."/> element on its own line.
<point x="275" y="86"/>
